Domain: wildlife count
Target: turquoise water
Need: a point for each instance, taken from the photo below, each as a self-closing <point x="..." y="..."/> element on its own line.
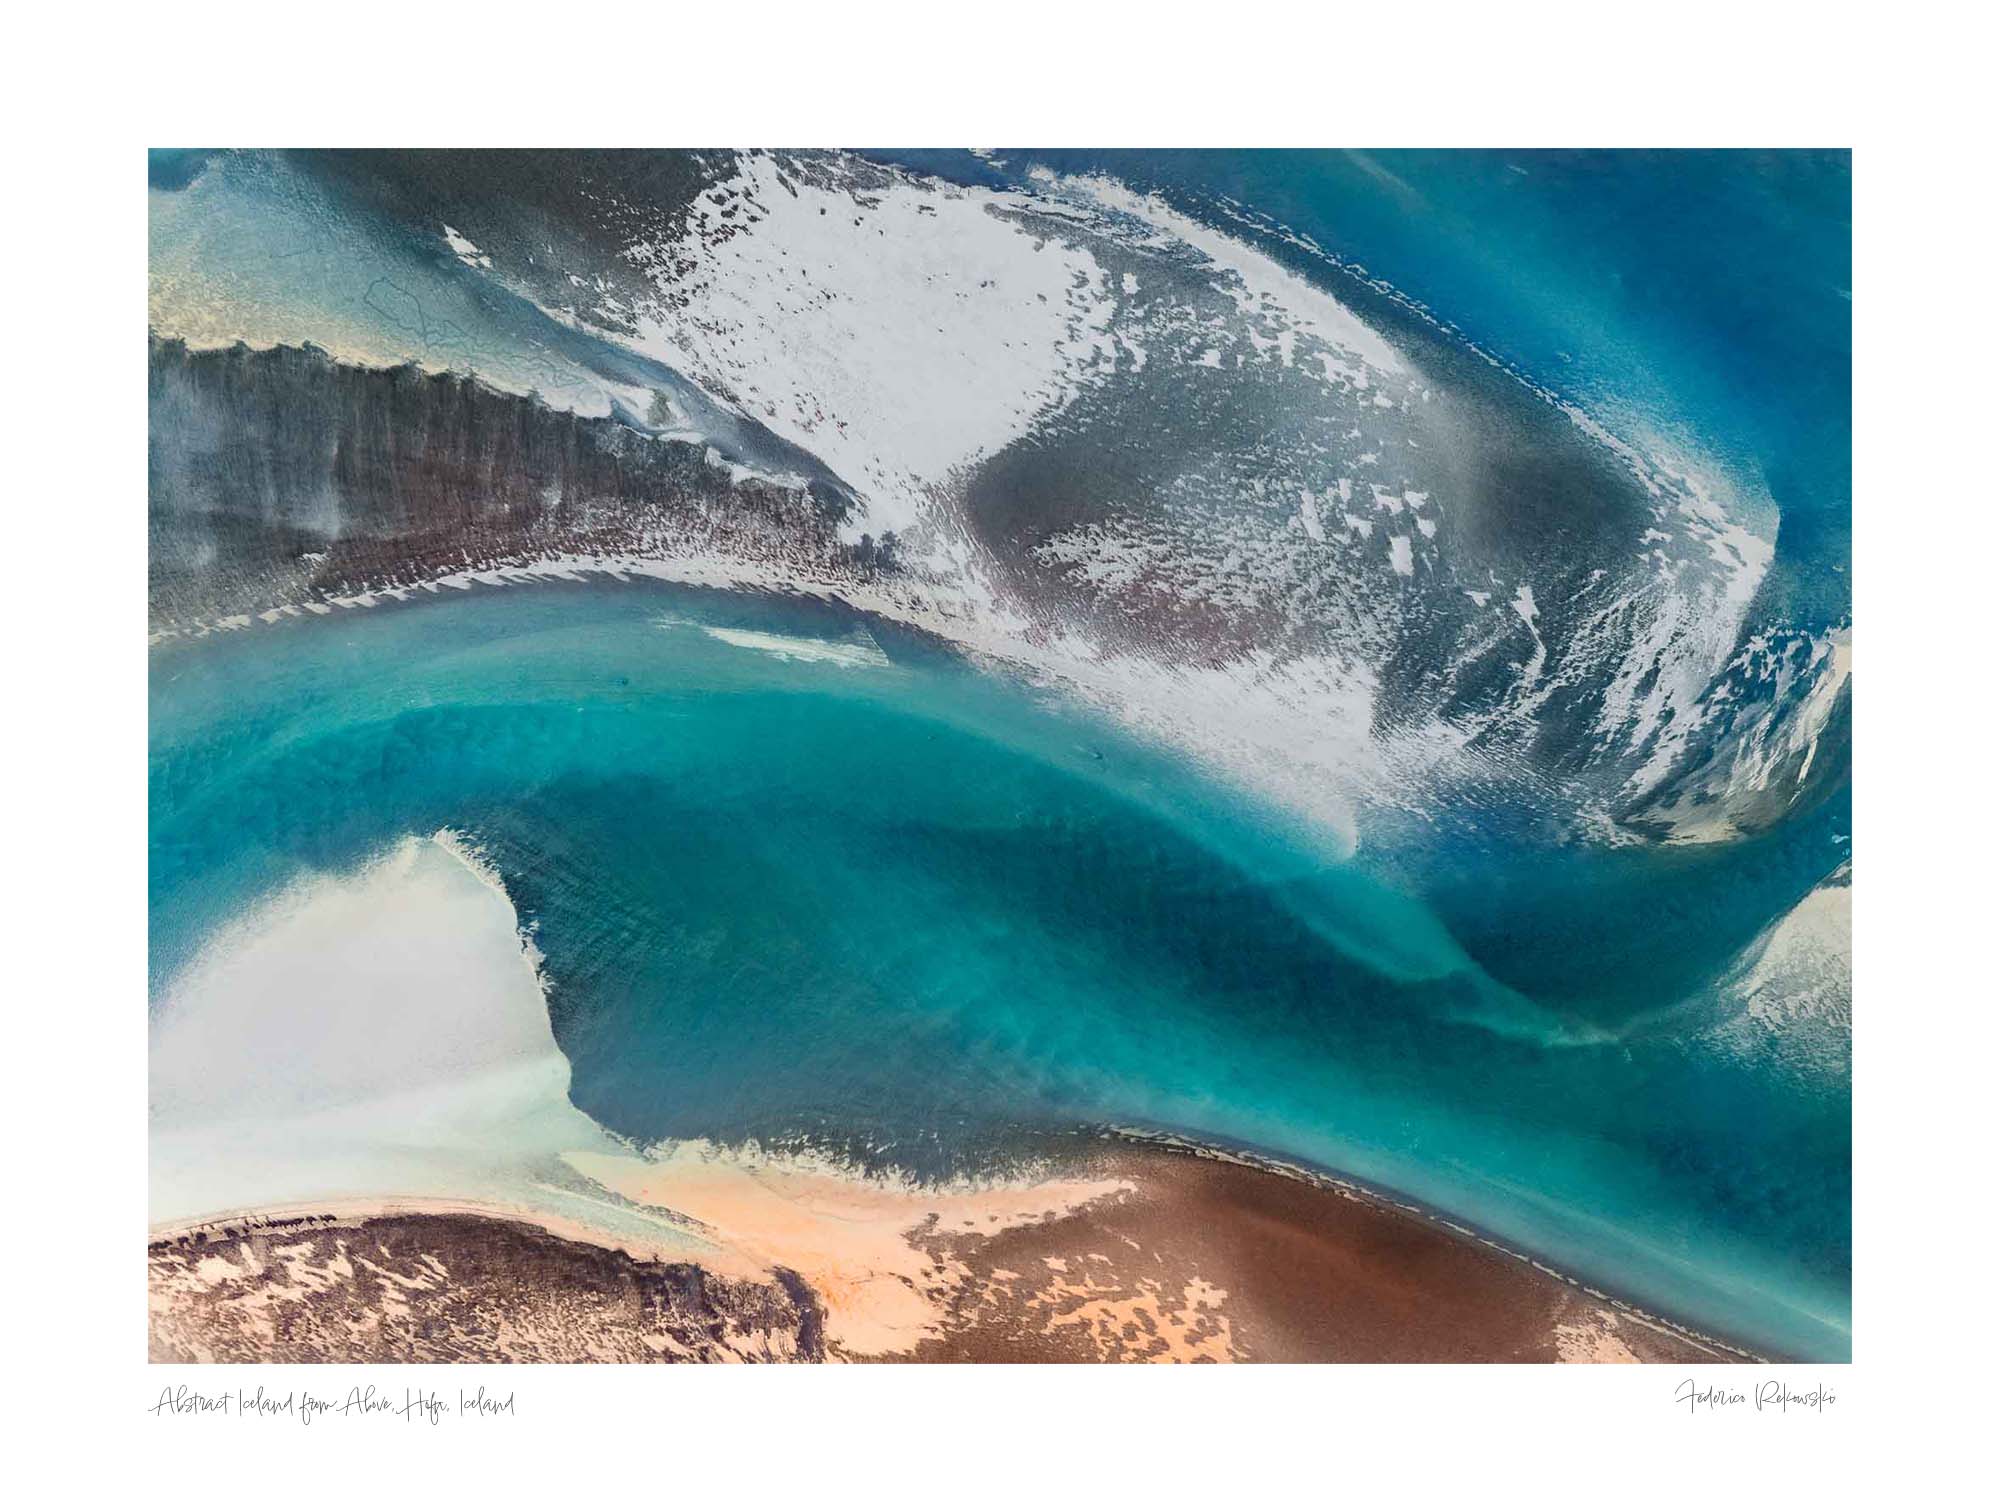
<point x="910" y="910"/>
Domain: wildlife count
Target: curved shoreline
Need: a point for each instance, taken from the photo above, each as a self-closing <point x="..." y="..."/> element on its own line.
<point x="1148" y="1250"/>
<point x="440" y="1013"/>
<point x="1294" y="1169"/>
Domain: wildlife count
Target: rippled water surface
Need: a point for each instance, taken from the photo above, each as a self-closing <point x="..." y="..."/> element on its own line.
<point x="795" y="874"/>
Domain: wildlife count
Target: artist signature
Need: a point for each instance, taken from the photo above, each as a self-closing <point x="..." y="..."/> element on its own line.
<point x="1765" y="1396"/>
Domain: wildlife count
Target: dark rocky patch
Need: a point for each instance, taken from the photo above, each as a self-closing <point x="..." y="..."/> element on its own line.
<point x="455" y="1287"/>
<point x="282" y="476"/>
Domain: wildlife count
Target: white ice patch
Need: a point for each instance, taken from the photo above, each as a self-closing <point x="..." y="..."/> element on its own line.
<point x="1795" y="985"/>
<point x="1309" y="515"/>
<point x="1803" y="968"/>
<point x="900" y="332"/>
<point x="465" y="251"/>
<point x="377" y="1033"/>
<point x="1524" y="605"/>
<point x="1262" y="286"/>
<point x="1671" y="636"/>
<point x="1771" y="711"/>
<point x="859" y="651"/>
<point x="1829" y="664"/>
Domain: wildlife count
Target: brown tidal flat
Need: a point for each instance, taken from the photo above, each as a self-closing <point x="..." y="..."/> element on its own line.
<point x="454" y="1287"/>
<point x="1179" y="1257"/>
<point x="1210" y="1259"/>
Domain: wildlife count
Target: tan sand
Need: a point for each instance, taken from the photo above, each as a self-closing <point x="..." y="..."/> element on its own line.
<point x="856" y="1240"/>
<point x="1128" y="1252"/>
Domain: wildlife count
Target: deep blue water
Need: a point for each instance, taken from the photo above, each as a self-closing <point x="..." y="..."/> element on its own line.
<point x="917" y="913"/>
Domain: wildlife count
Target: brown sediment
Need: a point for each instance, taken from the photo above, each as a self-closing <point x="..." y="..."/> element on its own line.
<point x="455" y="1286"/>
<point x="1136" y="1252"/>
<point x="1206" y="1259"/>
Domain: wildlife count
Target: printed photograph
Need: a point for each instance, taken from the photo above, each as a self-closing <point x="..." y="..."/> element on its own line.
<point x="922" y="756"/>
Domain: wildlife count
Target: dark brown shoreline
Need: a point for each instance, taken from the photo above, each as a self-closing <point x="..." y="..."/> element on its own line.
<point x="1311" y="1270"/>
<point x="1198" y="1257"/>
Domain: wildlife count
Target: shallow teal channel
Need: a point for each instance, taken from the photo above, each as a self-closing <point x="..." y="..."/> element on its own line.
<point x="800" y="876"/>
